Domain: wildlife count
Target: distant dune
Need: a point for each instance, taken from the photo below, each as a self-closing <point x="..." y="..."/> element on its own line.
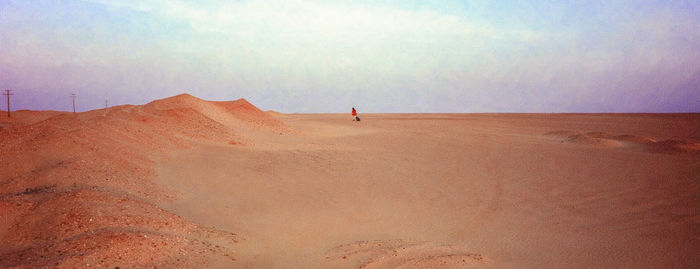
<point x="187" y="183"/>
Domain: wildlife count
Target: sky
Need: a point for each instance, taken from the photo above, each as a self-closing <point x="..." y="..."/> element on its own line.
<point x="378" y="56"/>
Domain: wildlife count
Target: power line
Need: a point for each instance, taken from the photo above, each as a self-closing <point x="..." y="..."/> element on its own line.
<point x="8" y="92"/>
<point x="72" y="95"/>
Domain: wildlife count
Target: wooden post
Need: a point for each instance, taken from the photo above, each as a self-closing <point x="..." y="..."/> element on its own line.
<point x="72" y="95"/>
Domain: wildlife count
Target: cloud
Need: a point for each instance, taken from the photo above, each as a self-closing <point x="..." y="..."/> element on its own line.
<point x="304" y="22"/>
<point x="393" y="56"/>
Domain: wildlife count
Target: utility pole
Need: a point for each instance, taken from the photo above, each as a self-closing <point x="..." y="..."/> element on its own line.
<point x="8" y="93"/>
<point x="72" y="95"/>
<point x="106" y="106"/>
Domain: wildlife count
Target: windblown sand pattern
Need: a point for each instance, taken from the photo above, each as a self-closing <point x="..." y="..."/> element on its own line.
<point x="401" y="254"/>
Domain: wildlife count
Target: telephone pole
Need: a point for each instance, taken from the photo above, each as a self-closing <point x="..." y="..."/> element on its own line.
<point x="72" y="95"/>
<point x="8" y="92"/>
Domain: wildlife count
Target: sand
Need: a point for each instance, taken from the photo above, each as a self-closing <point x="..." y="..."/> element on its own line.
<point x="184" y="182"/>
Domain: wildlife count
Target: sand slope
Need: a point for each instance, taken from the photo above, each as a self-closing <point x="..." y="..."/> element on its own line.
<point x="183" y="182"/>
<point x="453" y="191"/>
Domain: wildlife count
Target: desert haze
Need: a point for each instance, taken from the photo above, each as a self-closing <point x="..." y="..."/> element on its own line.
<point x="184" y="182"/>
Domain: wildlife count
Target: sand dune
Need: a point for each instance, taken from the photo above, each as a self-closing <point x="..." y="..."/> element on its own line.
<point x="71" y="178"/>
<point x="234" y="114"/>
<point x="184" y="182"/>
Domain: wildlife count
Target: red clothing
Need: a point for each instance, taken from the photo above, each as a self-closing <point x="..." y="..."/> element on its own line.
<point x="354" y="113"/>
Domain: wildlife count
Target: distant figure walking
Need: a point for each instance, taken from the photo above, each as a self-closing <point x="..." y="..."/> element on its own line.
<point x="354" y="115"/>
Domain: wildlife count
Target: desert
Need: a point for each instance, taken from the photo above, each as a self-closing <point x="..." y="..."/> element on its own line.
<point x="183" y="182"/>
<point x="349" y="134"/>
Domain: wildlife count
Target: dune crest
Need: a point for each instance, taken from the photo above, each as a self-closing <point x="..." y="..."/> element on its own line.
<point x="247" y="112"/>
<point x="238" y="114"/>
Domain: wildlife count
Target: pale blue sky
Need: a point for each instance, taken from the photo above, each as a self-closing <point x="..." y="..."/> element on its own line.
<point x="379" y="56"/>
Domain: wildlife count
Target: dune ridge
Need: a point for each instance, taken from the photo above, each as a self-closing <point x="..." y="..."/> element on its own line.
<point x="71" y="180"/>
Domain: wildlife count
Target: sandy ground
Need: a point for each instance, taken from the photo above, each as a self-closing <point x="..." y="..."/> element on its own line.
<point x="183" y="182"/>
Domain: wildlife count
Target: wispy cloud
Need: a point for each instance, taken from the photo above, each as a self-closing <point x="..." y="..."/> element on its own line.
<point x="392" y="56"/>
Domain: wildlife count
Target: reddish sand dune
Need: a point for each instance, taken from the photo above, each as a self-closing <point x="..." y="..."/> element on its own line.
<point x="247" y="112"/>
<point x="183" y="182"/>
<point x="239" y="114"/>
<point x="71" y="179"/>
